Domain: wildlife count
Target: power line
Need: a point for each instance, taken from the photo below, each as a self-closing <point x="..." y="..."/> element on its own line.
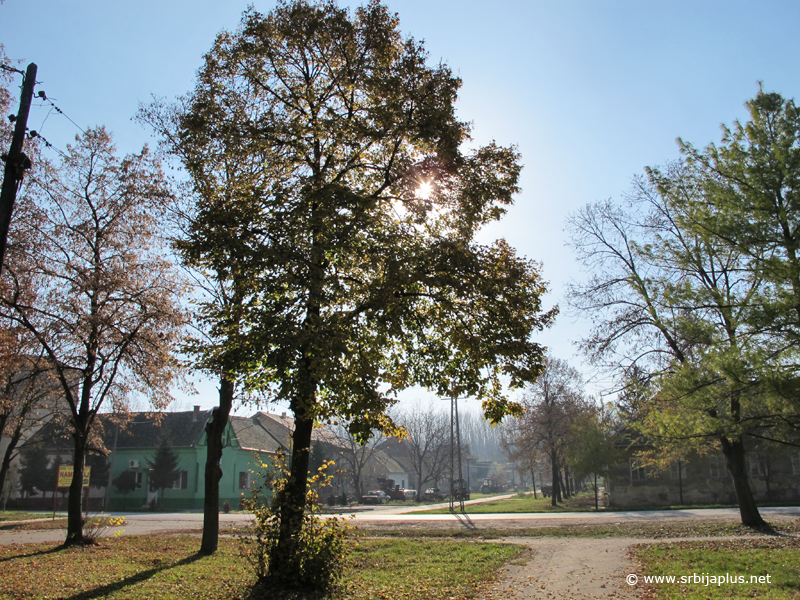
<point x="44" y="97"/>
<point x="34" y="134"/>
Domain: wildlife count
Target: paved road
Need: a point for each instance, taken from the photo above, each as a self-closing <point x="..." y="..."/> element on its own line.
<point x="603" y="516"/>
<point x="144" y="523"/>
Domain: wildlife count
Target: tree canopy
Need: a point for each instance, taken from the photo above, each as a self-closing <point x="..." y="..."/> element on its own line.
<point x="337" y="209"/>
<point x="88" y="277"/>
<point x="695" y="285"/>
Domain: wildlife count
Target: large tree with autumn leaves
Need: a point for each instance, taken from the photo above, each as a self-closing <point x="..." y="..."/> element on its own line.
<point x="337" y="211"/>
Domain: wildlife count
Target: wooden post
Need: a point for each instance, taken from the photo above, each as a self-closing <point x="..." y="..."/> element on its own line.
<point x="16" y="161"/>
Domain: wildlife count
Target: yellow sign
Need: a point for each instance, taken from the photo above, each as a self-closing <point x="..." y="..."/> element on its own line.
<point x="65" y="473"/>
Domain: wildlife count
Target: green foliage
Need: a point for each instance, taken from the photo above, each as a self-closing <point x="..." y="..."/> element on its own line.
<point x="322" y="545"/>
<point x="98" y="476"/>
<point x="750" y="185"/>
<point x="163" y="467"/>
<point x="696" y="292"/>
<point x="592" y="450"/>
<point x="37" y="473"/>
<point x="125" y="482"/>
<point x="307" y="138"/>
<point x="335" y="222"/>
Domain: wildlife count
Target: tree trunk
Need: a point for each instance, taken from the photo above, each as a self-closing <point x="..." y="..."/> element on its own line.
<point x="6" y="466"/>
<point x="357" y="486"/>
<point x="214" y="430"/>
<point x="533" y="483"/>
<point x="596" y="504"/>
<point x="556" y="491"/>
<point x="285" y="561"/>
<point x="735" y="458"/>
<point x="680" y="481"/>
<point x="75" y="498"/>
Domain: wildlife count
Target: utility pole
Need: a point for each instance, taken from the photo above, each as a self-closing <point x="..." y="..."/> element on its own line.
<point x="16" y="161"/>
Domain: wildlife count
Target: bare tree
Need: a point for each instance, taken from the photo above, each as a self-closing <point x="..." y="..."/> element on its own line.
<point x="528" y="458"/>
<point x="550" y="405"/>
<point x="676" y="311"/>
<point x="89" y="277"/>
<point x="427" y="443"/>
<point x="355" y="454"/>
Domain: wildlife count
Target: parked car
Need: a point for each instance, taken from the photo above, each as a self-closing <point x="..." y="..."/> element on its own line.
<point x="395" y="494"/>
<point x="490" y="486"/>
<point x="434" y="494"/>
<point x="374" y="497"/>
<point x="409" y="494"/>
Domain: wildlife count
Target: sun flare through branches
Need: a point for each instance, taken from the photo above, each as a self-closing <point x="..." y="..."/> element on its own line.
<point x="424" y="190"/>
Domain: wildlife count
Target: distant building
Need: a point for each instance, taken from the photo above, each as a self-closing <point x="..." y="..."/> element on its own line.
<point x="774" y="472"/>
<point x="132" y="443"/>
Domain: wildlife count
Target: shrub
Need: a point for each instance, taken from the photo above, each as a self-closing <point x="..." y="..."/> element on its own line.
<point x="97" y="527"/>
<point x="323" y="544"/>
<point x="226" y="507"/>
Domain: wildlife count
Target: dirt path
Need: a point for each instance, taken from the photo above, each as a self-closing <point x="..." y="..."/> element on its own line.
<point x="571" y="567"/>
<point x="567" y="568"/>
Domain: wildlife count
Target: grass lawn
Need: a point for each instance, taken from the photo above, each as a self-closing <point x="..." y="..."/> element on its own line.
<point x="140" y="567"/>
<point x="59" y="523"/>
<point x="777" y="557"/>
<point x="631" y="530"/>
<point x="18" y="515"/>
<point x="412" y="503"/>
<point x="525" y="504"/>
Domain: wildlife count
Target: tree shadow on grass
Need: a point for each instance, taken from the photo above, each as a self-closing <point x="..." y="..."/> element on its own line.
<point x="103" y="591"/>
<point x="37" y="553"/>
<point x="465" y="521"/>
<point x="769" y="529"/>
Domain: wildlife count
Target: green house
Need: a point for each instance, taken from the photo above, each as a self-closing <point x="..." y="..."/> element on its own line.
<point x="133" y="442"/>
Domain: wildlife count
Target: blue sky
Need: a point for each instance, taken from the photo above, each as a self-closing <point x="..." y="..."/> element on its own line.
<point x="591" y="92"/>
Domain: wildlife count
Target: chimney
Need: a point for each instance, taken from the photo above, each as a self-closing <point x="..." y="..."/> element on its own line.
<point x="196" y="414"/>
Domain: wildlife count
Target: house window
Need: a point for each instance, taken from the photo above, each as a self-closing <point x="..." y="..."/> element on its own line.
<point x="716" y="467"/>
<point x="638" y="472"/>
<point x="181" y="481"/>
<point x="675" y="472"/>
<point x="138" y="480"/>
<point x="244" y="480"/>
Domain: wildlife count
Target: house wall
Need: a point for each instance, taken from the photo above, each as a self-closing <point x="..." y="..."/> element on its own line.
<point x="704" y="480"/>
<point x="191" y="460"/>
<point x="171" y="498"/>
